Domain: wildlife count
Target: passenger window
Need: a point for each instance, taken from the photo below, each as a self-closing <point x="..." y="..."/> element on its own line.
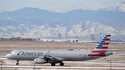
<point x="70" y="49"/>
<point x="40" y="54"/>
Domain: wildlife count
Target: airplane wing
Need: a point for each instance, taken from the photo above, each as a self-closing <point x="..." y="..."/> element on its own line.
<point x="47" y="59"/>
<point x="50" y="58"/>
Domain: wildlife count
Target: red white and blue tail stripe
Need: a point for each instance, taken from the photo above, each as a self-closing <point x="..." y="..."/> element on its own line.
<point x="104" y="43"/>
<point x="102" y="47"/>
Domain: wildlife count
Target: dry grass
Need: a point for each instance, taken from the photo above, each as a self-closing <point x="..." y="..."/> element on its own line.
<point x="7" y="45"/>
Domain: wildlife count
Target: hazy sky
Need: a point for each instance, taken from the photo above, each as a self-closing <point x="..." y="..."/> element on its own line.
<point x="60" y="5"/>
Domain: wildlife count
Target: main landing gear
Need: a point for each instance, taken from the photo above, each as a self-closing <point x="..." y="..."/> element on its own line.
<point x="17" y="63"/>
<point x="60" y="63"/>
<point x="53" y="64"/>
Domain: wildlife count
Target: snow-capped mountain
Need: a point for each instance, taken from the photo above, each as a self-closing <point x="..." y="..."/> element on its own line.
<point x="37" y="23"/>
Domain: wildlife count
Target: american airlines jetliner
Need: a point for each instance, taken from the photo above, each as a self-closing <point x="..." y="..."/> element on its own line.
<point x="59" y="55"/>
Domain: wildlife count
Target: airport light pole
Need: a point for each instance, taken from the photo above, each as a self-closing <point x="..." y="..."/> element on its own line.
<point x="1" y="63"/>
<point x="0" y="66"/>
<point x="34" y="66"/>
<point x="110" y="62"/>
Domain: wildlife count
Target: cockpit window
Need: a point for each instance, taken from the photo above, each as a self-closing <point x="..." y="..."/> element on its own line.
<point x="20" y="53"/>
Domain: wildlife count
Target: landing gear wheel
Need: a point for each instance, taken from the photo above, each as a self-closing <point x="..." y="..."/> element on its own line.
<point x="61" y="64"/>
<point x="17" y="62"/>
<point x="53" y="64"/>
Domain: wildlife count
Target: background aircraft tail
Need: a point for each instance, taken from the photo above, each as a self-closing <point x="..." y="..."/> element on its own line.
<point x="102" y="47"/>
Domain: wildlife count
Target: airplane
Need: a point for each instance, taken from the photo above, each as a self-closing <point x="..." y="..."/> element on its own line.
<point x="59" y="55"/>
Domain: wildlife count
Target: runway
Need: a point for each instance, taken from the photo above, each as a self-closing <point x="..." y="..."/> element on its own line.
<point x="69" y="65"/>
<point x="60" y="68"/>
<point x="87" y="65"/>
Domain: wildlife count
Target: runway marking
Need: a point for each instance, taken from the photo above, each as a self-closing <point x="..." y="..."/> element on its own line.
<point x="90" y="63"/>
<point x="80" y="63"/>
<point x="113" y="63"/>
<point x="58" y="67"/>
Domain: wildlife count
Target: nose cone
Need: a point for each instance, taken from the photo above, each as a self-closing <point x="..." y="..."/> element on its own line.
<point x="8" y="56"/>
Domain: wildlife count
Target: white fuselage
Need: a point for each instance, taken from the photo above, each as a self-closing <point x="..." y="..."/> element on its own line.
<point x="63" y="54"/>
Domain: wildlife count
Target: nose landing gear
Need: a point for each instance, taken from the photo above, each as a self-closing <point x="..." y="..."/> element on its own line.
<point x="17" y="63"/>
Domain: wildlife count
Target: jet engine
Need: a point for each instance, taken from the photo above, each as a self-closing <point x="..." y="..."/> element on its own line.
<point x="39" y="60"/>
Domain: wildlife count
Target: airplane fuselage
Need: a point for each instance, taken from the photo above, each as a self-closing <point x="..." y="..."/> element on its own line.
<point x="63" y="54"/>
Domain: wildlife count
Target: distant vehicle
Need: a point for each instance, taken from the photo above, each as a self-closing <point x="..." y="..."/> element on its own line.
<point x="59" y="55"/>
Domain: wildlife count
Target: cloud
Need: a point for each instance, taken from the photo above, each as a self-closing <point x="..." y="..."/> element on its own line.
<point x="122" y="7"/>
<point x="59" y="5"/>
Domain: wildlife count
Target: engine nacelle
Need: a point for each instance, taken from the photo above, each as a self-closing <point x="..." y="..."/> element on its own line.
<point x="39" y="61"/>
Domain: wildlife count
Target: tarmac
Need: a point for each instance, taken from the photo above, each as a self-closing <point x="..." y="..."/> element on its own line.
<point x="61" y="68"/>
<point x="115" y="66"/>
<point x="69" y="65"/>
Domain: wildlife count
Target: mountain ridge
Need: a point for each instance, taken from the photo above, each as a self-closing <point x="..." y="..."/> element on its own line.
<point x="34" y="13"/>
<point x="33" y="22"/>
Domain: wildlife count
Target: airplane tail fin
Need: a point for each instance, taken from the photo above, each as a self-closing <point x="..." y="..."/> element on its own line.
<point x="102" y="47"/>
<point x="104" y="42"/>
